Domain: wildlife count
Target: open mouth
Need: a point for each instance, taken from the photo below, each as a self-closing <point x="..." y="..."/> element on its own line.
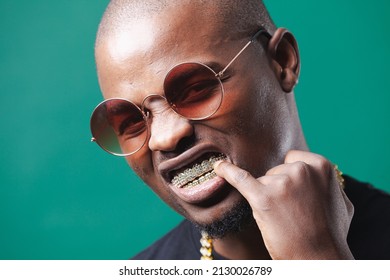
<point x="200" y="172"/>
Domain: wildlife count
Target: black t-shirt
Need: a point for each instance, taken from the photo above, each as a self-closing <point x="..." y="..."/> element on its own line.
<point x="368" y="237"/>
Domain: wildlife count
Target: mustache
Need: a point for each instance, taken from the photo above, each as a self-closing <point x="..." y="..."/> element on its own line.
<point x="183" y="145"/>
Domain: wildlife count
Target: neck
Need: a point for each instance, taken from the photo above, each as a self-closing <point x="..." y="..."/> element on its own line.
<point x="296" y="131"/>
<point x="245" y="245"/>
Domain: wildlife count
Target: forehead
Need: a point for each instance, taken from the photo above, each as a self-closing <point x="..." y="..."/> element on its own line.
<point x="133" y="59"/>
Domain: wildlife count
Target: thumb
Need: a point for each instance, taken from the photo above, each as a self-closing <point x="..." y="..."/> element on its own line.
<point x="239" y="178"/>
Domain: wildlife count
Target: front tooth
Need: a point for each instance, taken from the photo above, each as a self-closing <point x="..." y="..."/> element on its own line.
<point x="204" y="169"/>
<point x="205" y="165"/>
<point x="198" y="168"/>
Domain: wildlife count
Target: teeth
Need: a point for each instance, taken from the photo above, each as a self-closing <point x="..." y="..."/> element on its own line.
<point x="197" y="174"/>
<point x="202" y="179"/>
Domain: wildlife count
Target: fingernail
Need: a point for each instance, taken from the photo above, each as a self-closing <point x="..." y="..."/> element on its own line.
<point x="215" y="165"/>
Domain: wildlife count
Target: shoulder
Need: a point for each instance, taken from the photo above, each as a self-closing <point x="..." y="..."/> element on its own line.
<point x="369" y="235"/>
<point x="179" y="243"/>
<point x="364" y="193"/>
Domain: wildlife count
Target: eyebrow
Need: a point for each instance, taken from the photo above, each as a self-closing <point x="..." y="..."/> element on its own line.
<point x="216" y="66"/>
<point x="123" y="125"/>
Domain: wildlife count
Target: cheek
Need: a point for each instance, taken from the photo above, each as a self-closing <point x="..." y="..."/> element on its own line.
<point x="142" y="165"/>
<point x="253" y="117"/>
<point x="249" y="106"/>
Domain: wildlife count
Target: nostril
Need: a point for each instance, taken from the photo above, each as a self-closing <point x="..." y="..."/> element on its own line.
<point x="169" y="132"/>
<point x="186" y="143"/>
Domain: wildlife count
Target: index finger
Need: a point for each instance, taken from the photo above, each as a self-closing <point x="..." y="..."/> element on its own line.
<point x="239" y="178"/>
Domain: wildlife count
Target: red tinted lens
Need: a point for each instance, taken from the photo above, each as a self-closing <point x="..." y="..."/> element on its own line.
<point x="193" y="90"/>
<point x="119" y="126"/>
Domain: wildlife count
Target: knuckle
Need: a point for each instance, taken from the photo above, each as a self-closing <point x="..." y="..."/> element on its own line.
<point x="241" y="176"/>
<point x="300" y="169"/>
<point x="284" y="181"/>
<point x="323" y="164"/>
<point x="283" y="186"/>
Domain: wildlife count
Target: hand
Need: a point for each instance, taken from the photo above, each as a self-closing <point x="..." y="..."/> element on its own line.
<point x="299" y="207"/>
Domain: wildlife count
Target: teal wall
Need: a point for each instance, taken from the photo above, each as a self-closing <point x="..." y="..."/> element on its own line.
<point x="63" y="198"/>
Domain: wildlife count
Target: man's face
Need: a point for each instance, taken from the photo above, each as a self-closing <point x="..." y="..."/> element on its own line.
<point x="250" y="129"/>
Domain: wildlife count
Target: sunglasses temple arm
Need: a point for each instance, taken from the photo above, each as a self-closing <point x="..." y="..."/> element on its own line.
<point x="254" y="37"/>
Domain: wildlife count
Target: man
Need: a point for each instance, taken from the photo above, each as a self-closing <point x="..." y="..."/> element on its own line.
<point x="199" y="98"/>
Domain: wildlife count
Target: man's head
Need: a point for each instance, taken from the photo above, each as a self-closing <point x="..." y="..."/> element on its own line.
<point x="256" y="124"/>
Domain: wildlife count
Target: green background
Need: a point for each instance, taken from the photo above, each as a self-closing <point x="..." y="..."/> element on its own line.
<point x="61" y="197"/>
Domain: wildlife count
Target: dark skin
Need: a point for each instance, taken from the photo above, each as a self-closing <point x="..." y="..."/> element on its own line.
<point x="299" y="208"/>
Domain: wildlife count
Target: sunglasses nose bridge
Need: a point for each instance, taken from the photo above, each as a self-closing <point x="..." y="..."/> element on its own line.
<point x="151" y="96"/>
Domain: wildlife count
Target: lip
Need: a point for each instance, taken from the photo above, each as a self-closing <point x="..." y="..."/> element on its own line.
<point x="201" y="192"/>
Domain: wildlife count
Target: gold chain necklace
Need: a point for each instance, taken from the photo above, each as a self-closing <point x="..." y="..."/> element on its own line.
<point x="339" y="176"/>
<point x="207" y="246"/>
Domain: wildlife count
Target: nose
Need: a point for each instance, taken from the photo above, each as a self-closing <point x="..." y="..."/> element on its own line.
<point x="166" y="127"/>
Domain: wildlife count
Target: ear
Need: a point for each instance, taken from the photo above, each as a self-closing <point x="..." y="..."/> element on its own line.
<point x="283" y="50"/>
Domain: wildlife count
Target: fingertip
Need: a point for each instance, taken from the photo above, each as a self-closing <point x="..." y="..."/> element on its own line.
<point x="218" y="162"/>
<point x="292" y="155"/>
<point x="217" y="165"/>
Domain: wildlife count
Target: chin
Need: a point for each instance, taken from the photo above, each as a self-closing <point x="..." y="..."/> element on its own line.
<point x="236" y="219"/>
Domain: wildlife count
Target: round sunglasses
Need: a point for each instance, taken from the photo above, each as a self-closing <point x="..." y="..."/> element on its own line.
<point x="193" y="90"/>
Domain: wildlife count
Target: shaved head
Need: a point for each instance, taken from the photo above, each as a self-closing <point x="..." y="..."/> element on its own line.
<point x="233" y="16"/>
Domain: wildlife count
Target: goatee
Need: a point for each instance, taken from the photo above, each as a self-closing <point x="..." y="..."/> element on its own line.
<point x="234" y="221"/>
